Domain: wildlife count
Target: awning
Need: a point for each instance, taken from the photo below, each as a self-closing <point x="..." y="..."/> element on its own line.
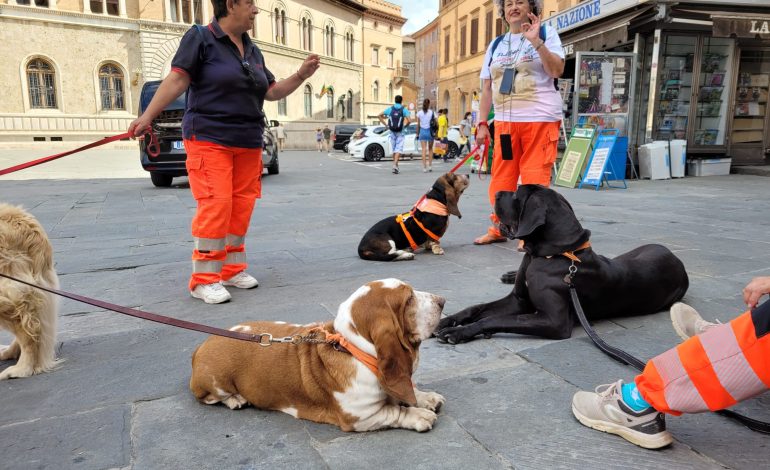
<point x="741" y="26"/>
<point x="602" y="36"/>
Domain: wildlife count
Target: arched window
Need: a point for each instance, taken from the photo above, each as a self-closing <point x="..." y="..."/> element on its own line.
<point x="376" y="91"/>
<point x="282" y="107"/>
<point x="279" y="25"/>
<point x="390" y="92"/>
<point x="307" y="34"/>
<point x="41" y="79"/>
<point x="330" y="104"/>
<point x="308" y="101"/>
<point x="329" y="40"/>
<point x="182" y="11"/>
<point x="349" y="41"/>
<point x="350" y="104"/>
<point x="111" y="87"/>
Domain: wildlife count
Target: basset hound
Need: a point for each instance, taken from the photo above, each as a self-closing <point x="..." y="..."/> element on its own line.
<point x="354" y="372"/>
<point x="395" y="238"/>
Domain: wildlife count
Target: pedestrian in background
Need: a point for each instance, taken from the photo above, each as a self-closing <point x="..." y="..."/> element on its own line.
<point x="443" y="130"/>
<point x="319" y="139"/>
<point x="465" y="131"/>
<point x="716" y="367"/>
<point x="222" y="128"/>
<point x="397" y="118"/>
<point x="518" y="75"/>
<point x="327" y="138"/>
<point x="425" y="121"/>
<point x="280" y="134"/>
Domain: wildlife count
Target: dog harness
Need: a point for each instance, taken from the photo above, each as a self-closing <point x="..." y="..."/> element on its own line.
<point x="431" y="206"/>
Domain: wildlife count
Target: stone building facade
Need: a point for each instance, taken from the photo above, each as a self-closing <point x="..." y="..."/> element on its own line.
<point x="73" y="70"/>
<point x="426" y="61"/>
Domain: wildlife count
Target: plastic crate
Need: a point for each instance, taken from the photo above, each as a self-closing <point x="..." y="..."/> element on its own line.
<point x="709" y="167"/>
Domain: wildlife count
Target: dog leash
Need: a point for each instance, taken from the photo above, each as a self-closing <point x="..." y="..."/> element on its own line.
<point x="153" y="149"/>
<point x="263" y="339"/>
<point x="626" y="358"/>
<point x="481" y="150"/>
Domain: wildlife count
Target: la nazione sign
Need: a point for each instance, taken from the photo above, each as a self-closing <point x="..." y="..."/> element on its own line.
<point x="588" y="12"/>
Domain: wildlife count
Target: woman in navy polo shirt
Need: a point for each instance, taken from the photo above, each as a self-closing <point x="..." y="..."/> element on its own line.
<point x="222" y="127"/>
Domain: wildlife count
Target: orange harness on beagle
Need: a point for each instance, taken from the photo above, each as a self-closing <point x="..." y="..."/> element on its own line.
<point x="431" y="206"/>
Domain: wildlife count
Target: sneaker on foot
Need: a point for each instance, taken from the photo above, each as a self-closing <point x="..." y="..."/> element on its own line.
<point x="605" y="411"/>
<point x="687" y="322"/>
<point x="211" y="293"/>
<point x="424" y="170"/>
<point x="395" y="171"/>
<point x="242" y="280"/>
<point x="430" y="169"/>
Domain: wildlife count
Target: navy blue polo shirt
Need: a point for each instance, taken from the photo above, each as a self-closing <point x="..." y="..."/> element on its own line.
<point x="224" y="101"/>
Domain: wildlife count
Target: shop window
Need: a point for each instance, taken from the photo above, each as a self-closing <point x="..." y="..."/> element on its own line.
<point x="41" y="80"/>
<point x="675" y="87"/>
<point x="751" y="96"/>
<point x="712" y="97"/>
<point x="111" y="87"/>
<point x="308" y="101"/>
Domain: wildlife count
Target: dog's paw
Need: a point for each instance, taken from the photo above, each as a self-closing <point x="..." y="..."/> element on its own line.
<point x="437" y="250"/>
<point x="404" y="256"/>
<point x="420" y="419"/>
<point x="429" y="400"/>
<point x="444" y="323"/>
<point x="9" y="352"/>
<point x="453" y="335"/>
<point x="16" y="372"/>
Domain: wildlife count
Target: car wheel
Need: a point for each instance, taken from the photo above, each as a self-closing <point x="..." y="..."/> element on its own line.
<point x="161" y="180"/>
<point x="453" y="151"/>
<point x="346" y="147"/>
<point x="273" y="169"/>
<point x="374" y="153"/>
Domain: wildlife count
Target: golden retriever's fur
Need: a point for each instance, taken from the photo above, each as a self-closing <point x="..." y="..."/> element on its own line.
<point x="28" y="313"/>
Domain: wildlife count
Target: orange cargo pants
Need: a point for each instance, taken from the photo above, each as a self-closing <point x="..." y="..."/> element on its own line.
<point x="723" y="366"/>
<point x="534" y="146"/>
<point x="225" y="182"/>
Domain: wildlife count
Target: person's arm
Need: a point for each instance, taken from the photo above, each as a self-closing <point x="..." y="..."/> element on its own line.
<point x="552" y="63"/>
<point x="287" y="86"/>
<point x="485" y="104"/>
<point x="170" y="88"/>
<point x="755" y="289"/>
<point x="382" y="118"/>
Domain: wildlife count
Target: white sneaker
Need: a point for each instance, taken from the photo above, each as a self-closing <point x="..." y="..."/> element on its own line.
<point x="242" y="280"/>
<point x="211" y="293"/>
<point x="688" y="322"/>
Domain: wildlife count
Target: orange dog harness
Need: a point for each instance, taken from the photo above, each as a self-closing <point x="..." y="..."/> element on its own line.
<point x="424" y="205"/>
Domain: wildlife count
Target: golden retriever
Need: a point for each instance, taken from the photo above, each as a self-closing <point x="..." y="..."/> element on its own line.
<point x="28" y="313"/>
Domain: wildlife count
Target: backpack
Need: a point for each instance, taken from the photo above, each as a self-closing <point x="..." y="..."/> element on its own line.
<point x="497" y="41"/>
<point x="396" y="119"/>
<point x="433" y="123"/>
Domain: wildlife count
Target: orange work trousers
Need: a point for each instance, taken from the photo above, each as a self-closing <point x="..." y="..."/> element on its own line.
<point x="534" y="146"/>
<point x="714" y="370"/>
<point x="225" y="182"/>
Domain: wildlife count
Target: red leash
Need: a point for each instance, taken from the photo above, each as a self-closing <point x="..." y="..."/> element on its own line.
<point x="481" y="150"/>
<point x="152" y="148"/>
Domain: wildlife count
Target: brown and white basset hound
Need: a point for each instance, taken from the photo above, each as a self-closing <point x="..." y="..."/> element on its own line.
<point x="360" y="380"/>
<point x="395" y="238"/>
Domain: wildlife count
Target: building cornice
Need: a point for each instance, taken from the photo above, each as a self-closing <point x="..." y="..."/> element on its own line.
<point x="381" y="15"/>
<point x="351" y="4"/>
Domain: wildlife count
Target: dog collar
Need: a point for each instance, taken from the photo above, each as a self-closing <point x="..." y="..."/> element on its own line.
<point x="341" y="343"/>
<point x="571" y="254"/>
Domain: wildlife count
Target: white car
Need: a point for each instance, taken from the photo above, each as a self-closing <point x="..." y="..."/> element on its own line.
<point x="373" y="146"/>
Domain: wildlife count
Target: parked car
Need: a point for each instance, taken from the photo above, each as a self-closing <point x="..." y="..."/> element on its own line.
<point x="341" y="135"/>
<point x="375" y="146"/>
<point x="167" y="127"/>
<point x="366" y="131"/>
<point x="453" y="142"/>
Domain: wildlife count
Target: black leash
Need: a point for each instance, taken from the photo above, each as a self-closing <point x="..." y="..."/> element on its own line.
<point x="625" y="358"/>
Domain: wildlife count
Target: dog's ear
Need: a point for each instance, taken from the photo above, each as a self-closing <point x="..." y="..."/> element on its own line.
<point x="451" y="201"/>
<point x="395" y="355"/>
<point x="532" y="214"/>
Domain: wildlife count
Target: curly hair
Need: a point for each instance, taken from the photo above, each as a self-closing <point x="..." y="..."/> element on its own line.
<point x="533" y="5"/>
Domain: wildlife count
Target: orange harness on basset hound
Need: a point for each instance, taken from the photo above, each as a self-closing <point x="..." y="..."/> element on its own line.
<point x="431" y="206"/>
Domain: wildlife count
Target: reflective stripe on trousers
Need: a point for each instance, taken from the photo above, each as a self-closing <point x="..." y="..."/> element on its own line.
<point x="725" y="365"/>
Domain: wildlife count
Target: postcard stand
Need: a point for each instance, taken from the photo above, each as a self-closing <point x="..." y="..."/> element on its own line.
<point x="578" y="147"/>
<point x="600" y="168"/>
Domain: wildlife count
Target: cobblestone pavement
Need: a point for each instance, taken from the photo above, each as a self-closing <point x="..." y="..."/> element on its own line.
<point x="120" y="398"/>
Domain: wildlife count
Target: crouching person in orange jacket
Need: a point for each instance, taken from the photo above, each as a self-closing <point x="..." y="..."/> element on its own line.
<point x="715" y="368"/>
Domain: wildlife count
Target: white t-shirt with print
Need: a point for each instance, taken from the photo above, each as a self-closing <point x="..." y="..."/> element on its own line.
<point x="424" y="118"/>
<point x="535" y="99"/>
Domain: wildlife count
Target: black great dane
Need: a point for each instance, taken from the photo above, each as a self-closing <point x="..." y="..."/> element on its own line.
<point x="645" y="280"/>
